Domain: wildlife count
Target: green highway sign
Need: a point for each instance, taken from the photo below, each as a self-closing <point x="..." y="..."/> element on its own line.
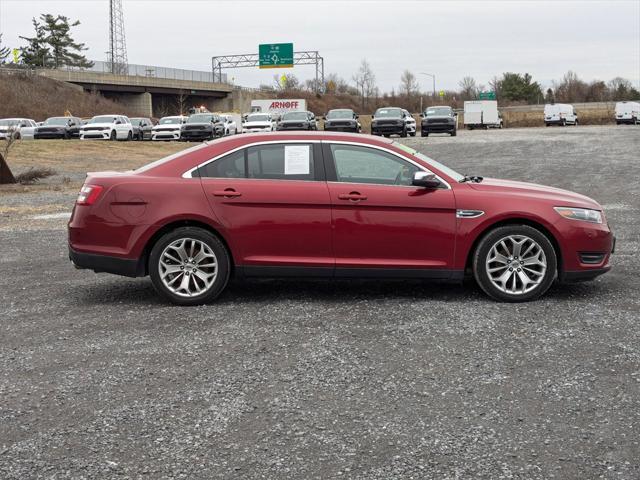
<point x="275" y="55"/>
<point x="487" y="96"/>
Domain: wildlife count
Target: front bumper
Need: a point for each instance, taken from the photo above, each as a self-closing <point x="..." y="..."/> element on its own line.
<point x="48" y="135"/>
<point x="438" y="127"/>
<point x="196" y="134"/>
<point x="165" y="135"/>
<point x="341" y="128"/>
<point x="387" y="129"/>
<point x="95" y="135"/>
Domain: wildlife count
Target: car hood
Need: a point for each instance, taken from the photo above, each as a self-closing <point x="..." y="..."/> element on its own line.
<point x="256" y="124"/>
<point x="448" y="117"/>
<point x="398" y="119"/>
<point x="51" y="127"/>
<point x="199" y="124"/>
<point x="556" y="195"/>
<point x="293" y="121"/>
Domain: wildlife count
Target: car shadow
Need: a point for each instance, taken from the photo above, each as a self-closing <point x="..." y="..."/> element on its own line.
<point x="141" y="292"/>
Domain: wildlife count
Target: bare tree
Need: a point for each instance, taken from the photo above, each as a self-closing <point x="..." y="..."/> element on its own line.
<point x="365" y="81"/>
<point x="408" y="84"/>
<point x="181" y="102"/>
<point x="468" y="88"/>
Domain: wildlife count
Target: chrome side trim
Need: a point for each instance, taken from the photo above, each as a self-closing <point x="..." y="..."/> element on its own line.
<point x="469" y="213"/>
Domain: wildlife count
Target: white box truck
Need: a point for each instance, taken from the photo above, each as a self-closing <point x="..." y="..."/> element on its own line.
<point x="628" y="112"/>
<point x="560" y="114"/>
<point x="276" y="107"/>
<point x="481" y="114"/>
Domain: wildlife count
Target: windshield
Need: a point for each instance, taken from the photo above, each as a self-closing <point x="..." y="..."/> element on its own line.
<point x="295" y="116"/>
<point x="56" y="121"/>
<point x="170" y="120"/>
<point x="9" y="123"/>
<point x="388" y="113"/>
<point x="439" y="111"/>
<point x="163" y="160"/>
<point x="443" y="168"/>
<point x="136" y="121"/>
<point x="258" y="118"/>
<point x="200" y="118"/>
<point x="334" y="114"/>
<point x="102" y="119"/>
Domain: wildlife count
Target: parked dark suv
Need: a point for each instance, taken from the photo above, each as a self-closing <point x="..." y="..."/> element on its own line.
<point x="202" y="126"/>
<point x="389" y="121"/>
<point x="59" y="127"/>
<point x="297" y="121"/>
<point x="439" y="120"/>
<point x="341" y="120"/>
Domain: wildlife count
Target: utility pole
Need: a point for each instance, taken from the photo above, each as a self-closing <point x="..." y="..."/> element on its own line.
<point x="117" y="43"/>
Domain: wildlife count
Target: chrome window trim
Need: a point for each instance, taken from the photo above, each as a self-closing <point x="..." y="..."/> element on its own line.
<point x="188" y="173"/>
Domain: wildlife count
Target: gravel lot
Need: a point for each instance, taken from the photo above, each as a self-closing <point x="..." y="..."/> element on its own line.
<point x="365" y="380"/>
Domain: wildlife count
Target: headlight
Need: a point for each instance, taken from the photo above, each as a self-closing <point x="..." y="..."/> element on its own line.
<point x="584" y="214"/>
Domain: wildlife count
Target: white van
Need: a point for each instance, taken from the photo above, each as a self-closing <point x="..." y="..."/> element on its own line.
<point x="560" y="114"/>
<point x="481" y="114"/>
<point x="628" y="112"/>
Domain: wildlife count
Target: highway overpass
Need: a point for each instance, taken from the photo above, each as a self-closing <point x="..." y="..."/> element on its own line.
<point x="155" y="91"/>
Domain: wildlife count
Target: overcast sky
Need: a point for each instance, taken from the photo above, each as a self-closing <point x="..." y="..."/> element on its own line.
<point x="451" y="39"/>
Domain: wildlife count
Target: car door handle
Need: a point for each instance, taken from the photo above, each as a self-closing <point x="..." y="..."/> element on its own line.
<point x="228" y="192"/>
<point x="353" y="196"/>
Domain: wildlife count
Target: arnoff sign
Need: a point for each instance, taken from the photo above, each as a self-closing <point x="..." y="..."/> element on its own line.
<point x="279" y="105"/>
<point x="286" y="105"/>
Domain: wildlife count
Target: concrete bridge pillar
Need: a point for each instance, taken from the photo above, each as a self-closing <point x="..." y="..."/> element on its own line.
<point x="139" y="102"/>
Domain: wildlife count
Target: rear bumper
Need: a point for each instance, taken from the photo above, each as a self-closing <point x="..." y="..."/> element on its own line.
<point x="108" y="264"/>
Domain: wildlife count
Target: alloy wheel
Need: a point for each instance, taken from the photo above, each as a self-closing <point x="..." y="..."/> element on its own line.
<point x="188" y="267"/>
<point x="516" y="264"/>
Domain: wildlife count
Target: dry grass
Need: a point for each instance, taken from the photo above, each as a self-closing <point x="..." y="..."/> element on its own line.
<point x="34" y="175"/>
<point x="599" y="116"/>
<point x="75" y="156"/>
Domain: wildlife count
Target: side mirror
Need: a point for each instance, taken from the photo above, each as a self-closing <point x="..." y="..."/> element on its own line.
<point x="426" y="180"/>
<point x="357" y="116"/>
<point x="118" y="122"/>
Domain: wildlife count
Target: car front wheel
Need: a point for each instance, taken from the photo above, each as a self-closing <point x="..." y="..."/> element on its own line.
<point x="189" y="266"/>
<point x="515" y="263"/>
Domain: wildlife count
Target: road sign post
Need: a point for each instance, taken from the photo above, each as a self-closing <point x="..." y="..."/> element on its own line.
<point x="275" y="55"/>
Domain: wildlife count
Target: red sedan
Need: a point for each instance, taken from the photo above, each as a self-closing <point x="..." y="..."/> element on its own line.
<point x="330" y="205"/>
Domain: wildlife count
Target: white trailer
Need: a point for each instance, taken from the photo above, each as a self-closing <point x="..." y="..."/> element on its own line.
<point x="278" y="106"/>
<point x="628" y="112"/>
<point x="481" y="114"/>
<point x="560" y="114"/>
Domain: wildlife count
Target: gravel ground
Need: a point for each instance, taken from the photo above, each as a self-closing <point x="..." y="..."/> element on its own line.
<point x="365" y="380"/>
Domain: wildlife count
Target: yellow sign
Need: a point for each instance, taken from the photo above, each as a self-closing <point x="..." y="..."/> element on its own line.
<point x="16" y="55"/>
<point x="283" y="80"/>
<point x="442" y="93"/>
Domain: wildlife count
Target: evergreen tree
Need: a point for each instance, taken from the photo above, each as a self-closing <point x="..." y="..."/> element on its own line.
<point x="37" y="52"/>
<point x="4" y="52"/>
<point x="53" y="45"/>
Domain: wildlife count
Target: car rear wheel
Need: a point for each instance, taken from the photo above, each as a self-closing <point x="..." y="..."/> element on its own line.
<point x="515" y="263"/>
<point x="189" y="266"/>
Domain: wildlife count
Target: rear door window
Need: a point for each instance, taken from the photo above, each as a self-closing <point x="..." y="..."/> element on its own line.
<point x="281" y="162"/>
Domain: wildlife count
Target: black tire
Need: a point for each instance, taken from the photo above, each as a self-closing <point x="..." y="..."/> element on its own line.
<point x="424" y="134"/>
<point x="129" y="136"/>
<point x="413" y="134"/>
<point x="493" y="237"/>
<point x="113" y="137"/>
<point x="403" y="134"/>
<point x="66" y="136"/>
<point x="564" y="123"/>
<point x="454" y="132"/>
<point x="213" y="242"/>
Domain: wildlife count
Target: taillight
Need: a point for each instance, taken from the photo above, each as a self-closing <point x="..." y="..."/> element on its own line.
<point x="88" y="194"/>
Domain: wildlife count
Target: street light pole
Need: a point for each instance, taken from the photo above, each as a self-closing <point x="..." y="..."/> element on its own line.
<point x="434" y="81"/>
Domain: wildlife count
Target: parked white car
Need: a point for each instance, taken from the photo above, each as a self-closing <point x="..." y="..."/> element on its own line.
<point x="107" y="127"/>
<point x="411" y="123"/>
<point x="230" y="126"/>
<point x="259" y="122"/>
<point x="628" y="112"/>
<point x="20" y="127"/>
<point x="560" y="114"/>
<point x="168" y="128"/>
